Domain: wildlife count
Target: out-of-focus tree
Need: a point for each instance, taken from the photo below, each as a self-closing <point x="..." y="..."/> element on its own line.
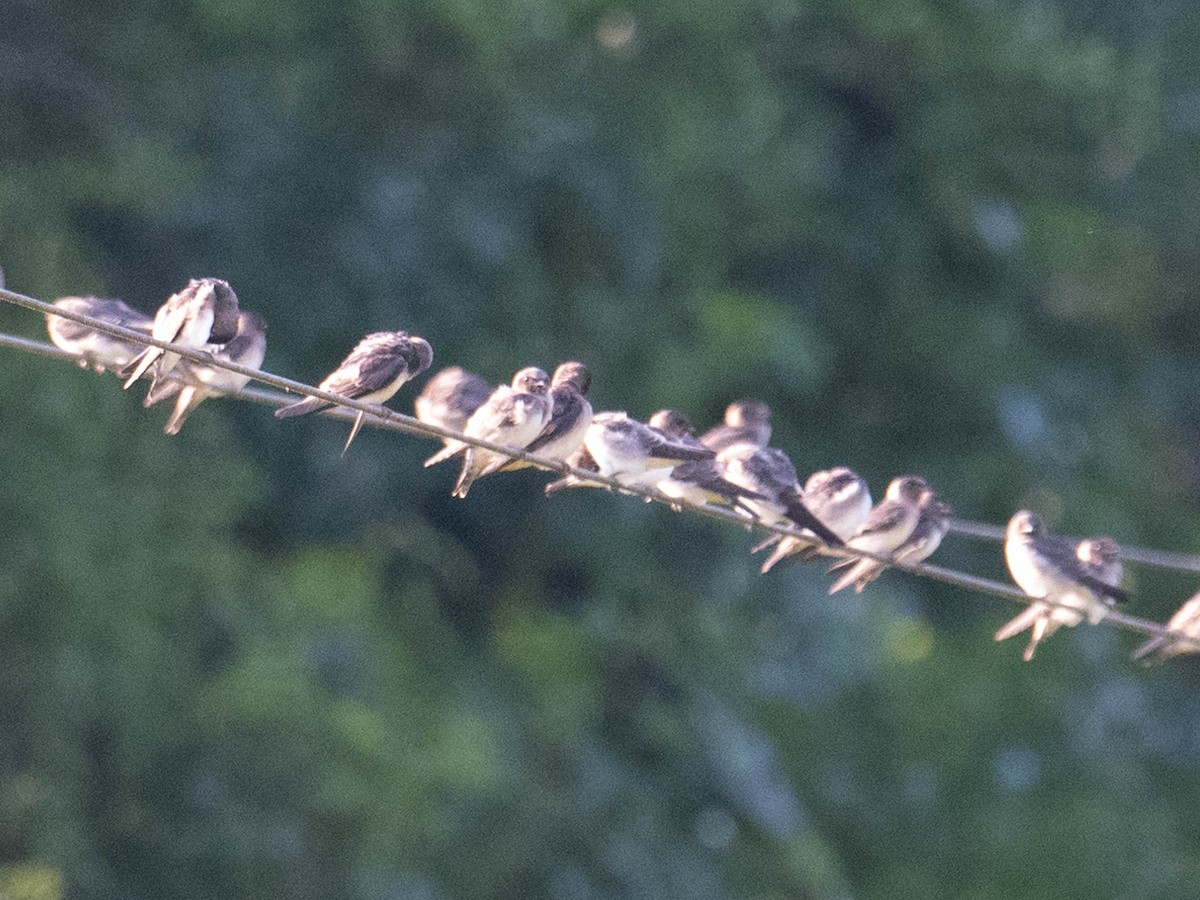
<point x="953" y="239"/>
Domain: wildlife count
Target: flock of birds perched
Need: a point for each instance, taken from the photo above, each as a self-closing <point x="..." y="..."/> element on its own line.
<point x="731" y="465"/>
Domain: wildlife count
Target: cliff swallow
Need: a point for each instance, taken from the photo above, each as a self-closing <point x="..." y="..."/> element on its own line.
<point x="204" y="312"/>
<point x="375" y="369"/>
<point x="1048" y="568"/>
<point x="193" y="383"/>
<point x="449" y="399"/>
<point x="95" y="348"/>
<point x="840" y="498"/>
<point x="513" y="416"/>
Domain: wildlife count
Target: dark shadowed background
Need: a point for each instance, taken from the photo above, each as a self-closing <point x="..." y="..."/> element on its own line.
<point x="953" y="238"/>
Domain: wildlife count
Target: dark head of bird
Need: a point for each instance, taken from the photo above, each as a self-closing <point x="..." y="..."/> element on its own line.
<point x="907" y="487"/>
<point x="419" y="355"/>
<point x="249" y="322"/>
<point x="573" y="373"/>
<point x="224" y="305"/>
<point x="672" y="423"/>
<point x="1099" y="551"/>
<point x="942" y="509"/>
<point x="840" y="478"/>
<point x="747" y="412"/>
<point x="531" y="380"/>
<point x="1025" y="525"/>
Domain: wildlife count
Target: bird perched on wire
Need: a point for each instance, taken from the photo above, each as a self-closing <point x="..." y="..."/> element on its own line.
<point x="907" y="526"/>
<point x="1065" y="588"/>
<point x="698" y="481"/>
<point x="768" y="472"/>
<point x="449" y="399"/>
<point x="95" y="348"/>
<point x="1185" y="623"/>
<point x="192" y="383"/>
<point x="570" y="416"/>
<point x="746" y="422"/>
<point x="204" y="312"/>
<point x="840" y="498"/>
<point x="375" y="369"/>
<point x="514" y="415"/>
<point x="1101" y="558"/>
<point x="628" y="451"/>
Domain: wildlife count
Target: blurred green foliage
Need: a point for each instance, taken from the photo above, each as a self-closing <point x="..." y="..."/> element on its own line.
<point x="957" y="239"/>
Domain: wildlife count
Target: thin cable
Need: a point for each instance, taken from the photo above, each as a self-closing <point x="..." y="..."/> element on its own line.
<point x="382" y="417"/>
<point x="1162" y="559"/>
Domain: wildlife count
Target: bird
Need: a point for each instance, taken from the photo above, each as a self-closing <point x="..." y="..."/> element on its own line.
<point x="698" y="481"/>
<point x="676" y="426"/>
<point x="1064" y="588"/>
<point x="632" y="453"/>
<point x="890" y="523"/>
<point x="570" y="416"/>
<point x="95" y="348"/>
<point x="932" y="525"/>
<point x="1185" y="623"/>
<point x="840" y="498"/>
<point x="746" y="422"/>
<point x="375" y="369"/>
<point x="193" y="383"/>
<point x="514" y="415"/>
<point x="768" y="472"/>
<point x="910" y="506"/>
<point x="204" y="312"/>
<point x="1101" y="557"/>
<point x="448" y="400"/>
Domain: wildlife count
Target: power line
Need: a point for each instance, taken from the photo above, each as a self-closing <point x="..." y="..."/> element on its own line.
<point x="1162" y="559"/>
<point x="382" y="417"/>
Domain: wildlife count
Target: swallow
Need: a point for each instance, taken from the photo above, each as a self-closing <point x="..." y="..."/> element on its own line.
<point x="448" y="401"/>
<point x="513" y="416"/>
<point x="528" y="377"/>
<point x="1048" y="568"/>
<point x="375" y="369"/>
<point x="699" y="481"/>
<point x="746" y="422"/>
<point x="570" y="417"/>
<point x="1101" y="557"/>
<point x="95" y="348"/>
<point x="676" y="426"/>
<point x="1185" y="623"/>
<point x="840" y="498"/>
<point x="193" y="383"/>
<point x="768" y="472"/>
<point x="632" y="453"/>
<point x="910" y="506"/>
<point x="204" y="312"/>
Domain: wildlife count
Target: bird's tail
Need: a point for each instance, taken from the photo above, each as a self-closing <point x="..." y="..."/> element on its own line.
<point x="307" y="405"/>
<point x="784" y="549"/>
<point x="189" y="398"/>
<point x="468" y="474"/>
<point x="769" y="541"/>
<point x="358" y="420"/>
<point x="162" y="389"/>
<point x="452" y="448"/>
<point x="800" y="514"/>
<point x="860" y="574"/>
<point x="1020" y="622"/>
<point x="139" y="364"/>
<point x="1159" y="646"/>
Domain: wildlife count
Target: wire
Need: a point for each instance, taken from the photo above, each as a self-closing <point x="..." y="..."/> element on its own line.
<point x="382" y="417"/>
<point x="1179" y="562"/>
